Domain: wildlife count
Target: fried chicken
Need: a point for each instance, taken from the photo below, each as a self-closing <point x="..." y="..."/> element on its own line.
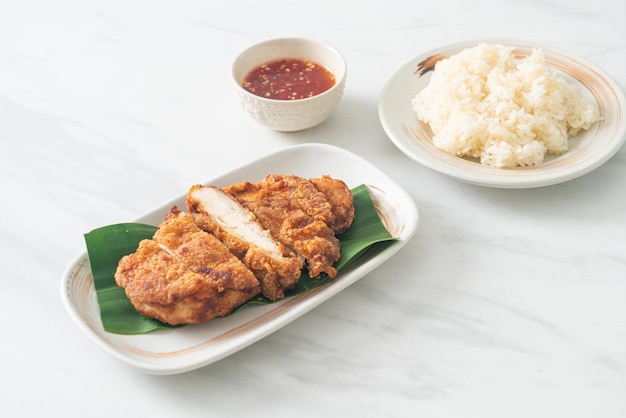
<point x="184" y="275"/>
<point x="235" y="243"/>
<point x="341" y="202"/>
<point x="237" y="227"/>
<point x="298" y="215"/>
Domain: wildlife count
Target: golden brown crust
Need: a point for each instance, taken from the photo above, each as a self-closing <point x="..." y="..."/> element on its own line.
<point x="275" y="275"/>
<point x="195" y="268"/>
<point x="277" y="270"/>
<point x="297" y="214"/>
<point x="184" y="275"/>
<point x="341" y="201"/>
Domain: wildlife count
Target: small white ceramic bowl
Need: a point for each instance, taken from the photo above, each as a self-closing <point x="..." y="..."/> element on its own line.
<point x="290" y="115"/>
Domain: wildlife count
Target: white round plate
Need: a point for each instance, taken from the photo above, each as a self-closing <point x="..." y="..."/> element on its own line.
<point x="588" y="150"/>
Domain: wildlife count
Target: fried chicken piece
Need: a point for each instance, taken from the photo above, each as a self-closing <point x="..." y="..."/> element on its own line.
<point x="297" y="214"/>
<point x="184" y="275"/>
<point x="341" y="201"/>
<point x="223" y="216"/>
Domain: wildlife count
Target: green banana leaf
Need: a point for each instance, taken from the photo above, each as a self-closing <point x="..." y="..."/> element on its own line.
<point x="108" y="244"/>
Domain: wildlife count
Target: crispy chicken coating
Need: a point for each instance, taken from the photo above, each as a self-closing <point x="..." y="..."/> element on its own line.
<point x="297" y="214"/>
<point x="184" y="275"/>
<point x="235" y="243"/>
<point x="223" y="216"/>
<point x="341" y="202"/>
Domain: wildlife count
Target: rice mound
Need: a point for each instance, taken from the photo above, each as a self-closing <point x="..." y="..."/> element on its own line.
<point x="481" y="103"/>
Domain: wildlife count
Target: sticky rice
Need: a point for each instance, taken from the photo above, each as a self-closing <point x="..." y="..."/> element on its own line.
<point x="483" y="103"/>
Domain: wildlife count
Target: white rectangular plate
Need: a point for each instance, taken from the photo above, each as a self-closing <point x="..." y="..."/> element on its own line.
<point x="184" y="349"/>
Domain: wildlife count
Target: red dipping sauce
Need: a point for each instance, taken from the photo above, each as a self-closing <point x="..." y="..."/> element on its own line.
<point x="289" y="79"/>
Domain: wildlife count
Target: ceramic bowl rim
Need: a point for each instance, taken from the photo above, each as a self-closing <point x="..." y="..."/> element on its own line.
<point x="339" y="80"/>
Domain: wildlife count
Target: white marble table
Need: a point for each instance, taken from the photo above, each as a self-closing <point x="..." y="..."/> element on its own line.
<point x="506" y="303"/>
